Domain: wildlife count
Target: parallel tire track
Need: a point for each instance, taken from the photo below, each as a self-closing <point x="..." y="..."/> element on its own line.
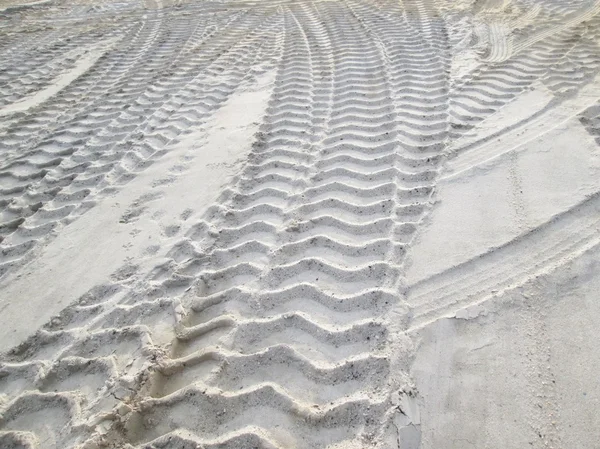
<point x="279" y="319"/>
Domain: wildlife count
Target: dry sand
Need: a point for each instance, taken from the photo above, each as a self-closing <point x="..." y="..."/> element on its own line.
<point x="294" y="224"/>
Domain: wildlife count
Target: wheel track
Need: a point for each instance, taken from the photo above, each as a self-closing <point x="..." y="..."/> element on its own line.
<point x="65" y="37"/>
<point x="271" y="394"/>
<point x="147" y="45"/>
<point x="125" y="97"/>
<point x="296" y="261"/>
<point x="492" y="86"/>
<point x="273" y="340"/>
<point x="21" y="46"/>
<point x="321" y="266"/>
<point x="57" y="205"/>
<point x="143" y="33"/>
<point x="540" y="250"/>
<point x="75" y="342"/>
<point x="580" y="64"/>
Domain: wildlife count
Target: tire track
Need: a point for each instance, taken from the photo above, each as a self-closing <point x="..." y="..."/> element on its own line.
<point x="282" y="314"/>
<point x="493" y="85"/>
<point x="307" y="257"/>
<point x="73" y="341"/>
<point x="84" y="176"/>
<point x="318" y="208"/>
<point x="538" y="251"/>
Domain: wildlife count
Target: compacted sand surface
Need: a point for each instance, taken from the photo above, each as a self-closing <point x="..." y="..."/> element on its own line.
<point x="300" y="224"/>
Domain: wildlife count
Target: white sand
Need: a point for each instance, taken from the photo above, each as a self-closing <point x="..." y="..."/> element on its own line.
<point x="341" y="224"/>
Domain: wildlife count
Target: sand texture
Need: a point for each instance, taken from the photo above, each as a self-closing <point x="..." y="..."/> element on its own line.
<point x="339" y="224"/>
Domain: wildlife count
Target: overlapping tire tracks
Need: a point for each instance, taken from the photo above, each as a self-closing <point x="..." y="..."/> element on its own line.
<point x="279" y="319"/>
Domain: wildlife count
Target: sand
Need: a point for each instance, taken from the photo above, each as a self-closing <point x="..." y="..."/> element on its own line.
<point x="293" y="224"/>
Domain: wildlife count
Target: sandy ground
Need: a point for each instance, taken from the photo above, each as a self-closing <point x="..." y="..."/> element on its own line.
<point x="293" y="224"/>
